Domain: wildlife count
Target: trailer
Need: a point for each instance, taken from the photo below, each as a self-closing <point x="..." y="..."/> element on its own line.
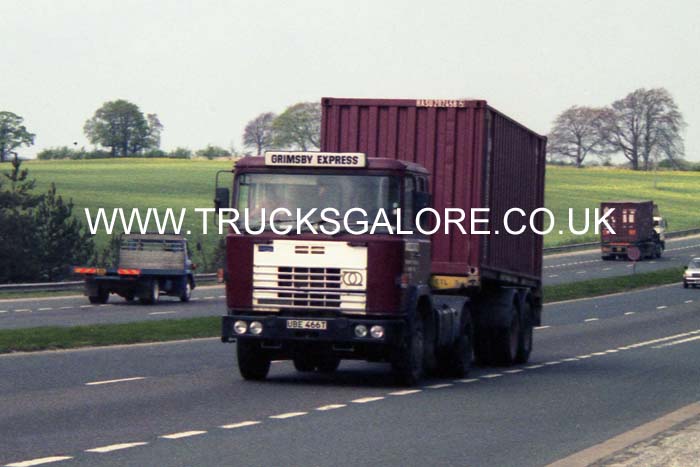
<point x="421" y="303"/>
<point x="150" y="265"/>
<point x="638" y="230"/>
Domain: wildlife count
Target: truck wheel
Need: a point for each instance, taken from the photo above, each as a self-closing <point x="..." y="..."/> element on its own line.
<point x="102" y="297"/>
<point x="408" y="364"/>
<point x="525" y="337"/>
<point x="153" y="294"/>
<point x="505" y="342"/>
<point x="607" y="257"/>
<point x="457" y="360"/>
<point x="658" y="251"/>
<point x="253" y="362"/>
<point x="685" y="285"/>
<point x="187" y="292"/>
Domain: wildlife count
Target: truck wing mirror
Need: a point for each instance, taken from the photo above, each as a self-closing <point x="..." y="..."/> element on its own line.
<point x="421" y="200"/>
<point x="221" y="200"/>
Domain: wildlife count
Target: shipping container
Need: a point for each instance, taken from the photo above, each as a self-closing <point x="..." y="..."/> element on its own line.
<point x="477" y="158"/>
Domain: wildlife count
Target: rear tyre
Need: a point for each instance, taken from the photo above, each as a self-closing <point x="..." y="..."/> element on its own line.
<point x="253" y="362"/>
<point x="186" y="292"/>
<point x="328" y="364"/>
<point x="457" y="360"/>
<point x="658" y="251"/>
<point x="408" y="364"/>
<point x="525" y="338"/>
<point x="505" y="343"/>
<point x="685" y="285"/>
<point x="304" y="365"/>
<point x="153" y="294"/>
<point x="102" y="297"/>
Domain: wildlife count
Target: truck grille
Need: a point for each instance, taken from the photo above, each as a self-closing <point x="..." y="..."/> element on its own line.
<point x="276" y="288"/>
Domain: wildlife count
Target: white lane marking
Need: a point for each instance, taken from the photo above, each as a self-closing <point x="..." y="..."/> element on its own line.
<point x="405" y="392"/>
<point x="105" y="304"/>
<point x="661" y="307"/>
<point x="282" y="416"/>
<point x="440" y="386"/>
<point x="110" y="381"/>
<point x="85" y="306"/>
<point x="65" y="307"/>
<point x="590" y="320"/>
<point x="533" y="367"/>
<point x="46" y="308"/>
<point x="511" y="372"/>
<point x="612" y="351"/>
<point x="183" y="434"/>
<point x="663" y="339"/>
<point x="607" y="269"/>
<point x="492" y="375"/>
<point x="553" y="275"/>
<point x="325" y="408"/>
<point x="597" y="354"/>
<point x="467" y="380"/>
<point x="682" y="341"/>
<point x="194" y="299"/>
<point x="555" y="362"/>
<point x="364" y="400"/>
<point x="239" y="424"/>
<point x="3" y="311"/>
<point x="580" y="272"/>
<point x="583" y="357"/>
<point x="688" y="301"/>
<point x="21" y="310"/>
<point x="630" y="313"/>
<point x="570" y="359"/>
<point x="42" y="460"/>
<point x="116" y="447"/>
<point x="162" y="312"/>
<point x="542" y="327"/>
<point x="222" y="296"/>
<point x="209" y="298"/>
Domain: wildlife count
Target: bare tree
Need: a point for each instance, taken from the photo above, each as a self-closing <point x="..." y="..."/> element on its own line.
<point x="258" y="132"/>
<point x="576" y="134"/>
<point x="644" y="126"/>
<point x="299" y="127"/>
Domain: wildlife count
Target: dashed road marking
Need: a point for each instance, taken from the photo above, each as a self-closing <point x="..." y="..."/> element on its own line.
<point x="661" y="307"/>
<point x="22" y="310"/>
<point x="589" y="320"/>
<point x="553" y="275"/>
<point x="222" y="296"/>
<point x="580" y="272"/>
<point x="598" y="354"/>
<point x="40" y="461"/>
<point x="110" y="381"/>
<point x="688" y="301"/>
<point x="492" y="375"/>
<point x="630" y="313"/>
<point x="162" y="312"/>
<point x="231" y="426"/>
<point x="46" y="308"/>
<point x="583" y="357"/>
<point x="3" y="311"/>
<point x="325" y="408"/>
<point x="65" y="307"/>
<point x="570" y="359"/>
<point x="512" y="372"/>
<point x="607" y="269"/>
<point x="467" y="380"/>
<point x="406" y="392"/>
<point x="555" y="362"/>
<point x="364" y="400"/>
<point x="542" y="327"/>
<point x="682" y="341"/>
<point x="440" y="386"/>
<point x="183" y="434"/>
<point x="533" y="367"/>
<point x="116" y="447"/>
<point x="282" y="416"/>
<point x="86" y="306"/>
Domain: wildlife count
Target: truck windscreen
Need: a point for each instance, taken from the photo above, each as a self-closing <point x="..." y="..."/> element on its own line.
<point x="305" y="192"/>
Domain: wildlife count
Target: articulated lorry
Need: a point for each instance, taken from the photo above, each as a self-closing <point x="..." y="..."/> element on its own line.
<point x="422" y="303"/>
<point x="639" y="231"/>
<point x="150" y="265"/>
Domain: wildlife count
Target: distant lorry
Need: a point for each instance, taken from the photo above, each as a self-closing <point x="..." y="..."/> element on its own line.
<point x="419" y="302"/>
<point x="639" y="230"/>
<point x="150" y="265"/>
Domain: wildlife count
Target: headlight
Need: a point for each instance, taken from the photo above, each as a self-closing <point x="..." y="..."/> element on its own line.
<point x="240" y="327"/>
<point x="256" y="328"/>
<point x="377" y="331"/>
<point x="361" y="330"/>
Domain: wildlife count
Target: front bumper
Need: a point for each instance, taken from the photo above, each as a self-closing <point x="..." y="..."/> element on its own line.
<point x="691" y="280"/>
<point x="339" y="330"/>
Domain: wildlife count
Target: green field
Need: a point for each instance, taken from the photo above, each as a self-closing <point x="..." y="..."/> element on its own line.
<point x="162" y="183"/>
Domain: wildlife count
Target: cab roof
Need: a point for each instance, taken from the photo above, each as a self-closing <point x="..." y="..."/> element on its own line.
<point x="373" y="163"/>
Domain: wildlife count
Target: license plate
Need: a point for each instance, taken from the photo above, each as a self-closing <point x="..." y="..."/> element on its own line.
<point x="306" y="324"/>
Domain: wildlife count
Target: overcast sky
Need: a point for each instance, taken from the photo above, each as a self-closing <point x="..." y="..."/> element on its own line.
<point x="207" y="67"/>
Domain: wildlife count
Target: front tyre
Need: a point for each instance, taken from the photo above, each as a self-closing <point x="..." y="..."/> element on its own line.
<point x="186" y="291"/>
<point x="253" y="362"/>
<point x="408" y="364"/>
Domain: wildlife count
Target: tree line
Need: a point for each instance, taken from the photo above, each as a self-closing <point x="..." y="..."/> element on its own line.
<point x="645" y="127"/>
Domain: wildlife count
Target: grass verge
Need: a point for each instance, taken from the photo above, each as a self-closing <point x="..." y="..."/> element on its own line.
<point x="43" y="338"/>
<point x="608" y="285"/>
